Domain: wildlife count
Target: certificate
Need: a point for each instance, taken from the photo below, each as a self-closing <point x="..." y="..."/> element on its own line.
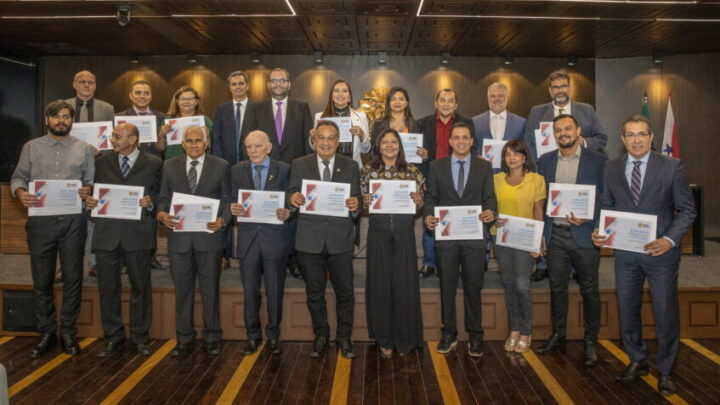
<point x="146" y="125"/>
<point x="566" y="198"/>
<point x="178" y="125"/>
<point x="116" y="201"/>
<point x="392" y="197"/>
<point x="325" y="198"/>
<point x="193" y="213"/>
<point x="492" y="152"/>
<point x="520" y="233"/>
<point x="55" y="197"/>
<point x="410" y="143"/>
<point x="261" y="206"/>
<point x="545" y="138"/>
<point x="344" y="124"/>
<point x="96" y="134"/>
<point x="459" y="223"/>
<point x="627" y="231"/>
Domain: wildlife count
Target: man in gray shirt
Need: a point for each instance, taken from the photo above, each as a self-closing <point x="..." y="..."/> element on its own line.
<point x="55" y="156"/>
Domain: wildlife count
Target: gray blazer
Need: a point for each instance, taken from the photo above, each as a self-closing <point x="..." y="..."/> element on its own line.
<point x="214" y="183"/>
<point x="315" y="232"/>
<point x="102" y="111"/>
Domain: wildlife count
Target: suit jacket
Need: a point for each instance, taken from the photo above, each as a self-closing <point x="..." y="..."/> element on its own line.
<point x="514" y="128"/>
<point x="590" y="169"/>
<point x="296" y="129"/>
<point x="317" y="231"/>
<point x="275" y="241"/>
<point x="665" y="193"/>
<point x="585" y="115"/>
<point x="102" y="111"/>
<point x="440" y="189"/>
<point x="148" y="147"/>
<point x="214" y="182"/>
<point x="428" y="129"/>
<point x="223" y="131"/>
<point x="128" y="235"/>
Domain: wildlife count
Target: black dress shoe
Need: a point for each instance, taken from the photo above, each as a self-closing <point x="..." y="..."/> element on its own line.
<point x="475" y="348"/>
<point x="252" y="346"/>
<point x="447" y="344"/>
<point x="70" y="345"/>
<point x="632" y="371"/>
<point x="294" y="270"/>
<point x="554" y="343"/>
<point x="142" y="349"/>
<point x="426" y="271"/>
<point x="346" y="348"/>
<point x="213" y="348"/>
<point x="319" y="346"/>
<point x="666" y="385"/>
<point x="181" y="349"/>
<point x="274" y="346"/>
<point x="111" y="347"/>
<point x="590" y="357"/>
<point x="156" y="264"/>
<point x="538" y="274"/>
<point x="47" y="343"/>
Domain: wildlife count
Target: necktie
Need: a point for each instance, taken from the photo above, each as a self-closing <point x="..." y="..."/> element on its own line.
<point x="279" y="122"/>
<point x="257" y="179"/>
<point x="125" y="166"/>
<point x="84" y="112"/>
<point x="238" y="125"/>
<point x="142" y="113"/>
<point x="192" y="176"/>
<point x="461" y="178"/>
<point x="635" y="182"/>
<point x="326" y="172"/>
<point x="561" y="111"/>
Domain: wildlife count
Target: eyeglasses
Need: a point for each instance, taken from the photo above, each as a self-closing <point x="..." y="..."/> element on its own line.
<point x="278" y="81"/>
<point x="560" y="87"/>
<point x="638" y="135"/>
<point x="187" y="98"/>
<point x="85" y="82"/>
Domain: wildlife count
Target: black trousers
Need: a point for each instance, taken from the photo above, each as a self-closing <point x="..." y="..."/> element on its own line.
<point x="461" y="259"/>
<point x="564" y="254"/>
<point x="186" y="268"/>
<point x="109" y="264"/>
<point x="254" y="268"/>
<point x="315" y="269"/>
<point x="47" y="237"/>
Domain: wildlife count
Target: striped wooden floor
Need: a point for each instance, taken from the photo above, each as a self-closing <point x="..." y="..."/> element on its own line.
<point x="294" y="378"/>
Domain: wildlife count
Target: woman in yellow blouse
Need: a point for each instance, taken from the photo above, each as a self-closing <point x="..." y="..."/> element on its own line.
<point x="520" y="193"/>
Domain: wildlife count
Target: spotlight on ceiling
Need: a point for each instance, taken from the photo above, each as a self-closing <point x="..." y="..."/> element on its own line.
<point x="255" y="57"/>
<point x="571" y="61"/>
<point x="658" y="57"/>
<point x="318" y="57"/>
<point x="191" y="57"/>
<point x="445" y="58"/>
<point x="509" y="59"/>
<point x="382" y="57"/>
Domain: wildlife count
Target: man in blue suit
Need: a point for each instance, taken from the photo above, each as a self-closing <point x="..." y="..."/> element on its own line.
<point x="593" y="135"/>
<point x="568" y="239"/>
<point x="233" y="120"/>
<point x="497" y="123"/>
<point x="645" y="182"/>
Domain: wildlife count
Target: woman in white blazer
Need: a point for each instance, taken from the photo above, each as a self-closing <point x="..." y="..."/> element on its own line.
<point x="340" y="105"/>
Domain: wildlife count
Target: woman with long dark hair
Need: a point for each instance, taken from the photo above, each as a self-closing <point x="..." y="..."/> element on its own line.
<point x="397" y="114"/>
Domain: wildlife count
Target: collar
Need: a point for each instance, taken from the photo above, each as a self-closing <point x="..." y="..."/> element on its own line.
<point x="265" y="163"/>
<point x="132" y="155"/>
<point x="575" y="155"/>
<point x="566" y="106"/>
<point x="64" y="141"/>
<point x="284" y="101"/>
<point x="450" y="121"/>
<point x="87" y="102"/>
<point x="147" y="111"/>
<point x="643" y="159"/>
<point x="454" y="159"/>
<point x="320" y="161"/>
<point x="502" y="115"/>
<point x="200" y="159"/>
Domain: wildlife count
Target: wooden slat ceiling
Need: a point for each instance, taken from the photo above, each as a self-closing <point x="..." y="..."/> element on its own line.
<point x="539" y="28"/>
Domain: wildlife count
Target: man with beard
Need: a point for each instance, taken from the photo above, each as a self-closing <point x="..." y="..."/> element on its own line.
<point x="569" y="243"/>
<point x="55" y="156"/>
<point x="593" y="135"/>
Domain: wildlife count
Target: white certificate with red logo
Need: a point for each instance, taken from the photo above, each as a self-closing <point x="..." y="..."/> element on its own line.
<point x="146" y="125"/>
<point x="520" y="233"/>
<point x="410" y="143"/>
<point x="261" y="206"/>
<point x="392" y="197"/>
<point x="545" y="138"/>
<point x="178" y="126"/>
<point x="344" y="124"/>
<point x="325" y="198"/>
<point x="578" y="199"/>
<point x="117" y="201"/>
<point x="459" y="223"/>
<point x="55" y="197"/>
<point x="492" y="152"/>
<point x="192" y="213"/>
<point x="627" y="230"/>
<point x="96" y="134"/>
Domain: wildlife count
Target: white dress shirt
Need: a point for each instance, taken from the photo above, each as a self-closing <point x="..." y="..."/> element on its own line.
<point x="498" y="123"/>
<point x="567" y="109"/>
<point x="198" y="167"/>
<point x="321" y="165"/>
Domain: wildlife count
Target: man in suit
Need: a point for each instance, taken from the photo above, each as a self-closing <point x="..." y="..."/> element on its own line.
<point x="117" y="242"/>
<point x="324" y="244"/>
<point x="497" y="123"/>
<point x="436" y="135"/>
<point x="645" y="182"/>
<point x="568" y="239"/>
<point x="593" y="135"/>
<point x="196" y="255"/>
<point x="233" y="120"/>
<point x="262" y="248"/>
<point x="89" y="109"/>
<point x="287" y="122"/>
<point x="448" y="185"/>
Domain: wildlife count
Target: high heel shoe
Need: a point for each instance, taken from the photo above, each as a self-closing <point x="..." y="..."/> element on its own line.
<point x="510" y="343"/>
<point x="522" y="347"/>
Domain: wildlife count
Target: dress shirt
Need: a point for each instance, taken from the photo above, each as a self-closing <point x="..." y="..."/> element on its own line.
<point x="455" y="167"/>
<point x="132" y="157"/>
<point x="265" y="165"/>
<point x="630" y="165"/>
<point x="47" y="159"/>
<point x="498" y="122"/>
<point x="321" y="165"/>
<point x="275" y="107"/>
<point x="566" y="173"/>
<point x="567" y="109"/>
<point x="147" y="111"/>
<point x="442" y="136"/>
<point x="198" y="167"/>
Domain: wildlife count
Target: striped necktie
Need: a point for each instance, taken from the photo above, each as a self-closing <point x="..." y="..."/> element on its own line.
<point x="192" y="176"/>
<point x="125" y="166"/>
<point x="636" y="182"/>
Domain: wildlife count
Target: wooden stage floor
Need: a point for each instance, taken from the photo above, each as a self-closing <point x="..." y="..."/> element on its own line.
<point x="294" y="378"/>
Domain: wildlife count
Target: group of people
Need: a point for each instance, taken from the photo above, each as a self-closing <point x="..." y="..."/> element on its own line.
<point x="275" y="145"/>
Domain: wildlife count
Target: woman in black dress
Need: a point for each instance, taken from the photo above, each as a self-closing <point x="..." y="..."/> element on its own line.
<point x="392" y="289"/>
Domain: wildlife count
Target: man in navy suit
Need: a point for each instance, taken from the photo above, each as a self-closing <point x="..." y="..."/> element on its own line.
<point x="568" y="239"/>
<point x="233" y="120"/>
<point x="593" y="135"/>
<point x="497" y="123"/>
<point x="645" y="182"/>
<point x="262" y="248"/>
